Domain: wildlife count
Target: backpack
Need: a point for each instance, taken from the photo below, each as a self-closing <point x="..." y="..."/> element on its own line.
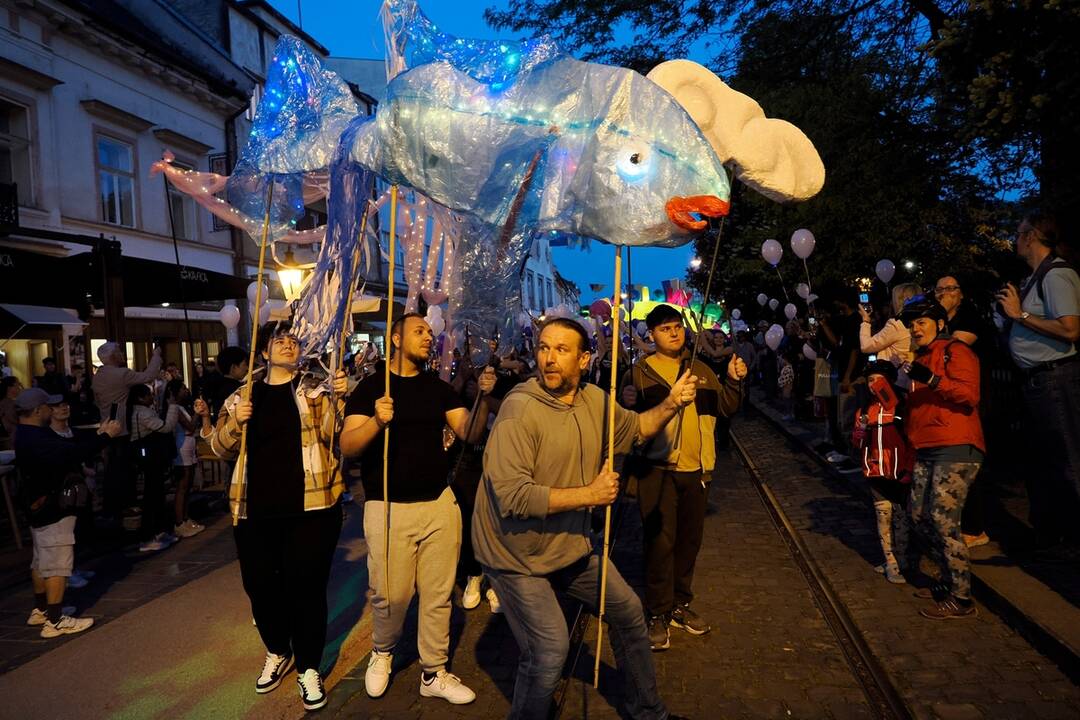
<point x="886" y="453"/>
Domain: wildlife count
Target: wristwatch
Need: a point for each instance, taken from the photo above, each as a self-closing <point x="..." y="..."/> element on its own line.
<point x="1024" y="316"/>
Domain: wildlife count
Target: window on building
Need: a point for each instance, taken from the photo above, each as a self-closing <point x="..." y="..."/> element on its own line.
<point x="550" y="295"/>
<point x="182" y="209"/>
<point x="116" y="181"/>
<point x="531" y="289"/>
<point x="15" y="149"/>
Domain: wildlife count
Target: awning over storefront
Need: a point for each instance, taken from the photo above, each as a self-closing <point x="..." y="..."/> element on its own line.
<point x="39" y="315"/>
<point x="149" y="282"/>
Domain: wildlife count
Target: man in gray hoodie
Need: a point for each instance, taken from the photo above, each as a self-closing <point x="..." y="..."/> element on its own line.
<point x="531" y="526"/>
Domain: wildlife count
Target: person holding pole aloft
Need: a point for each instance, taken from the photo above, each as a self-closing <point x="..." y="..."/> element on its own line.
<point x="532" y="522"/>
<point x="425" y="522"/>
<point x="285" y="501"/>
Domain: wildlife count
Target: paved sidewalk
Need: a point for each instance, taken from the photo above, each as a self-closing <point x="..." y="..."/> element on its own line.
<point x="174" y="639"/>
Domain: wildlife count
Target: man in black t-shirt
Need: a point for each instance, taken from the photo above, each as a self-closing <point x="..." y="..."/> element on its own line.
<point x="963" y="320"/>
<point x="425" y="522"/>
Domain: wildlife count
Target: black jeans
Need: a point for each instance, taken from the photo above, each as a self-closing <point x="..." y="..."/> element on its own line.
<point x="465" y="483"/>
<point x="118" y="489"/>
<point x="285" y="566"/>
<point x="153" y="499"/>
<point x="672" y="508"/>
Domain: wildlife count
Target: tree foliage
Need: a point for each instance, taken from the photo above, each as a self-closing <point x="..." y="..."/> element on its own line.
<point x="926" y="113"/>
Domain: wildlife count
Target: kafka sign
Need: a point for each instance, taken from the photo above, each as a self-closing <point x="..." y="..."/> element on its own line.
<point x="198" y="276"/>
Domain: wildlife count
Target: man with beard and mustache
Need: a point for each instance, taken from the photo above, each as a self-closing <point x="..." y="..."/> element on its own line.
<point x="425" y="528"/>
<point x="532" y="523"/>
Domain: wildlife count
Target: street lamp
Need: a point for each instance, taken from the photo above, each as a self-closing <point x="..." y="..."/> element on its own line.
<point x="909" y="265"/>
<point x="291" y="277"/>
<point x="695" y="263"/>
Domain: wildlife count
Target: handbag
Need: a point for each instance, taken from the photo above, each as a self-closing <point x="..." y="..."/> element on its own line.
<point x="74" y="494"/>
<point x="825" y="378"/>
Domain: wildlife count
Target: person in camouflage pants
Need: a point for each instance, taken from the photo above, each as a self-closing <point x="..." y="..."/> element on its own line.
<point x="943" y="427"/>
<point x="938" y="492"/>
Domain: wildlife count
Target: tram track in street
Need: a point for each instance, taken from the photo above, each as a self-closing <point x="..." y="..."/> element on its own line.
<point x="881" y="694"/>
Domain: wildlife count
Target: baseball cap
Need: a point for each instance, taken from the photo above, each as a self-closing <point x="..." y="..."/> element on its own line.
<point x="33" y="398"/>
<point x="922" y="306"/>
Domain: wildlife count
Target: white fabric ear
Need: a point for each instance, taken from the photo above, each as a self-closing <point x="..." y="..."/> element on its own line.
<point x="772" y="156"/>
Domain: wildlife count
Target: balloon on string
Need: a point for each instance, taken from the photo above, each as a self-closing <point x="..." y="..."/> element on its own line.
<point x="802" y="290"/>
<point x="762" y="298"/>
<point x="736" y="314"/>
<point x="641" y="328"/>
<point x="802" y="243"/>
<point x="264" y="313"/>
<point x="885" y="270"/>
<point x="253" y="288"/>
<point x="811" y="298"/>
<point x="229" y="316"/>
<point x="791" y="311"/>
<point x="809" y="352"/>
<point x="774" y="303"/>
<point x="772" y="251"/>
<point x="773" y="336"/>
<point x="695" y="307"/>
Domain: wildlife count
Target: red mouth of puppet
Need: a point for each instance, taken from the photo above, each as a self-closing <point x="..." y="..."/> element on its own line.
<point x="680" y="209"/>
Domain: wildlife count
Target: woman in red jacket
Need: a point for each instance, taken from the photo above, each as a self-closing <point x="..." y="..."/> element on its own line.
<point x="943" y="426"/>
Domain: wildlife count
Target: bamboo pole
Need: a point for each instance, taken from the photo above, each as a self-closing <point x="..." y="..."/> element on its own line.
<point x="386" y="430"/>
<point x="241" y="460"/>
<point x="609" y="464"/>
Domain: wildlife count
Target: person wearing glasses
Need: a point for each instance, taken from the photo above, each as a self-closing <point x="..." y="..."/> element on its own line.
<point x="285" y="502"/>
<point x="963" y="321"/>
<point x="963" y="324"/>
<point x="1044" y="327"/>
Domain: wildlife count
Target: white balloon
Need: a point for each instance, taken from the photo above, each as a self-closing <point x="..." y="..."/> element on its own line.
<point x="791" y="311"/>
<point x="802" y="243"/>
<point x="811" y="298"/>
<point x="802" y="290"/>
<point x="772" y="251"/>
<point x="264" y="314"/>
<point x="773" y="336"/>
<point x="762" y="298"/>
<point x="736" y="314"/>
<point x="254" y="288"/>
<point x="809" y="352"/>
<point x="885" y="270"/>
<point x="437" y="324"/>
<point x="774" y="303"/>
<point x="229" y="316"/>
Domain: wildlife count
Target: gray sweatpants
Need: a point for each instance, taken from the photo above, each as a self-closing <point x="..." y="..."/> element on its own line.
<point x="425" y="539"/>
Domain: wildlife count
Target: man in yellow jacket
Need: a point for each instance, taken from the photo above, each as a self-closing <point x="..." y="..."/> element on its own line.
<point x="672" y="471"/>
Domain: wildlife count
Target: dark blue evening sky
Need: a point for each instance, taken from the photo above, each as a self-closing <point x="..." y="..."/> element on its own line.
<point x="352" y="29"/>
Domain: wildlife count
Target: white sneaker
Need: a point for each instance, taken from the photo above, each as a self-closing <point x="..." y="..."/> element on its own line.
<point x="471" y="597"/>
<point x="167" y="538"/>
<point x="66" y="625"/>
<point x="448" y="687"/>
<point x="152" y="545"/>
<point x="38" y="617"/>
<point x="377" y="676"/>
<point x="274" y="668"/>
<point x="493" y="601"/>
<point x="311" y="689"/>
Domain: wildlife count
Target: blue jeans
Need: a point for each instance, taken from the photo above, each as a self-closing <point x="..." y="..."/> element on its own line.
<point x="1053" y="403"/>
<point x="539" y="627"/>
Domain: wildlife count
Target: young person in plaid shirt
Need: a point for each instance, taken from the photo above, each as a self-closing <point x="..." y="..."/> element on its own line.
<point x="285" y="506"/>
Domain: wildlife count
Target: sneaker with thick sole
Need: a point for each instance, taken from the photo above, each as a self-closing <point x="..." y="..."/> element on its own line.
<point x="686" y="619"/>
<point x="949" y="609"/>
<point x="187" y="529"/>
<point x="446" y="686"/>
<point x="659" y="635"/>
<point x="471" y="597"/>
<point x="274" y="669"/>
<point x="892" y="573"/>
<point x="976" y="540"/>
<point x="38" y="617"/>
<point x="493" y="601"/>
<point x="152" y="545"/>
<point x="377" y="676"/>
<point x="66" y="625"/>
<point x="935" y="592"/>
<point x="312" y="691"/>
